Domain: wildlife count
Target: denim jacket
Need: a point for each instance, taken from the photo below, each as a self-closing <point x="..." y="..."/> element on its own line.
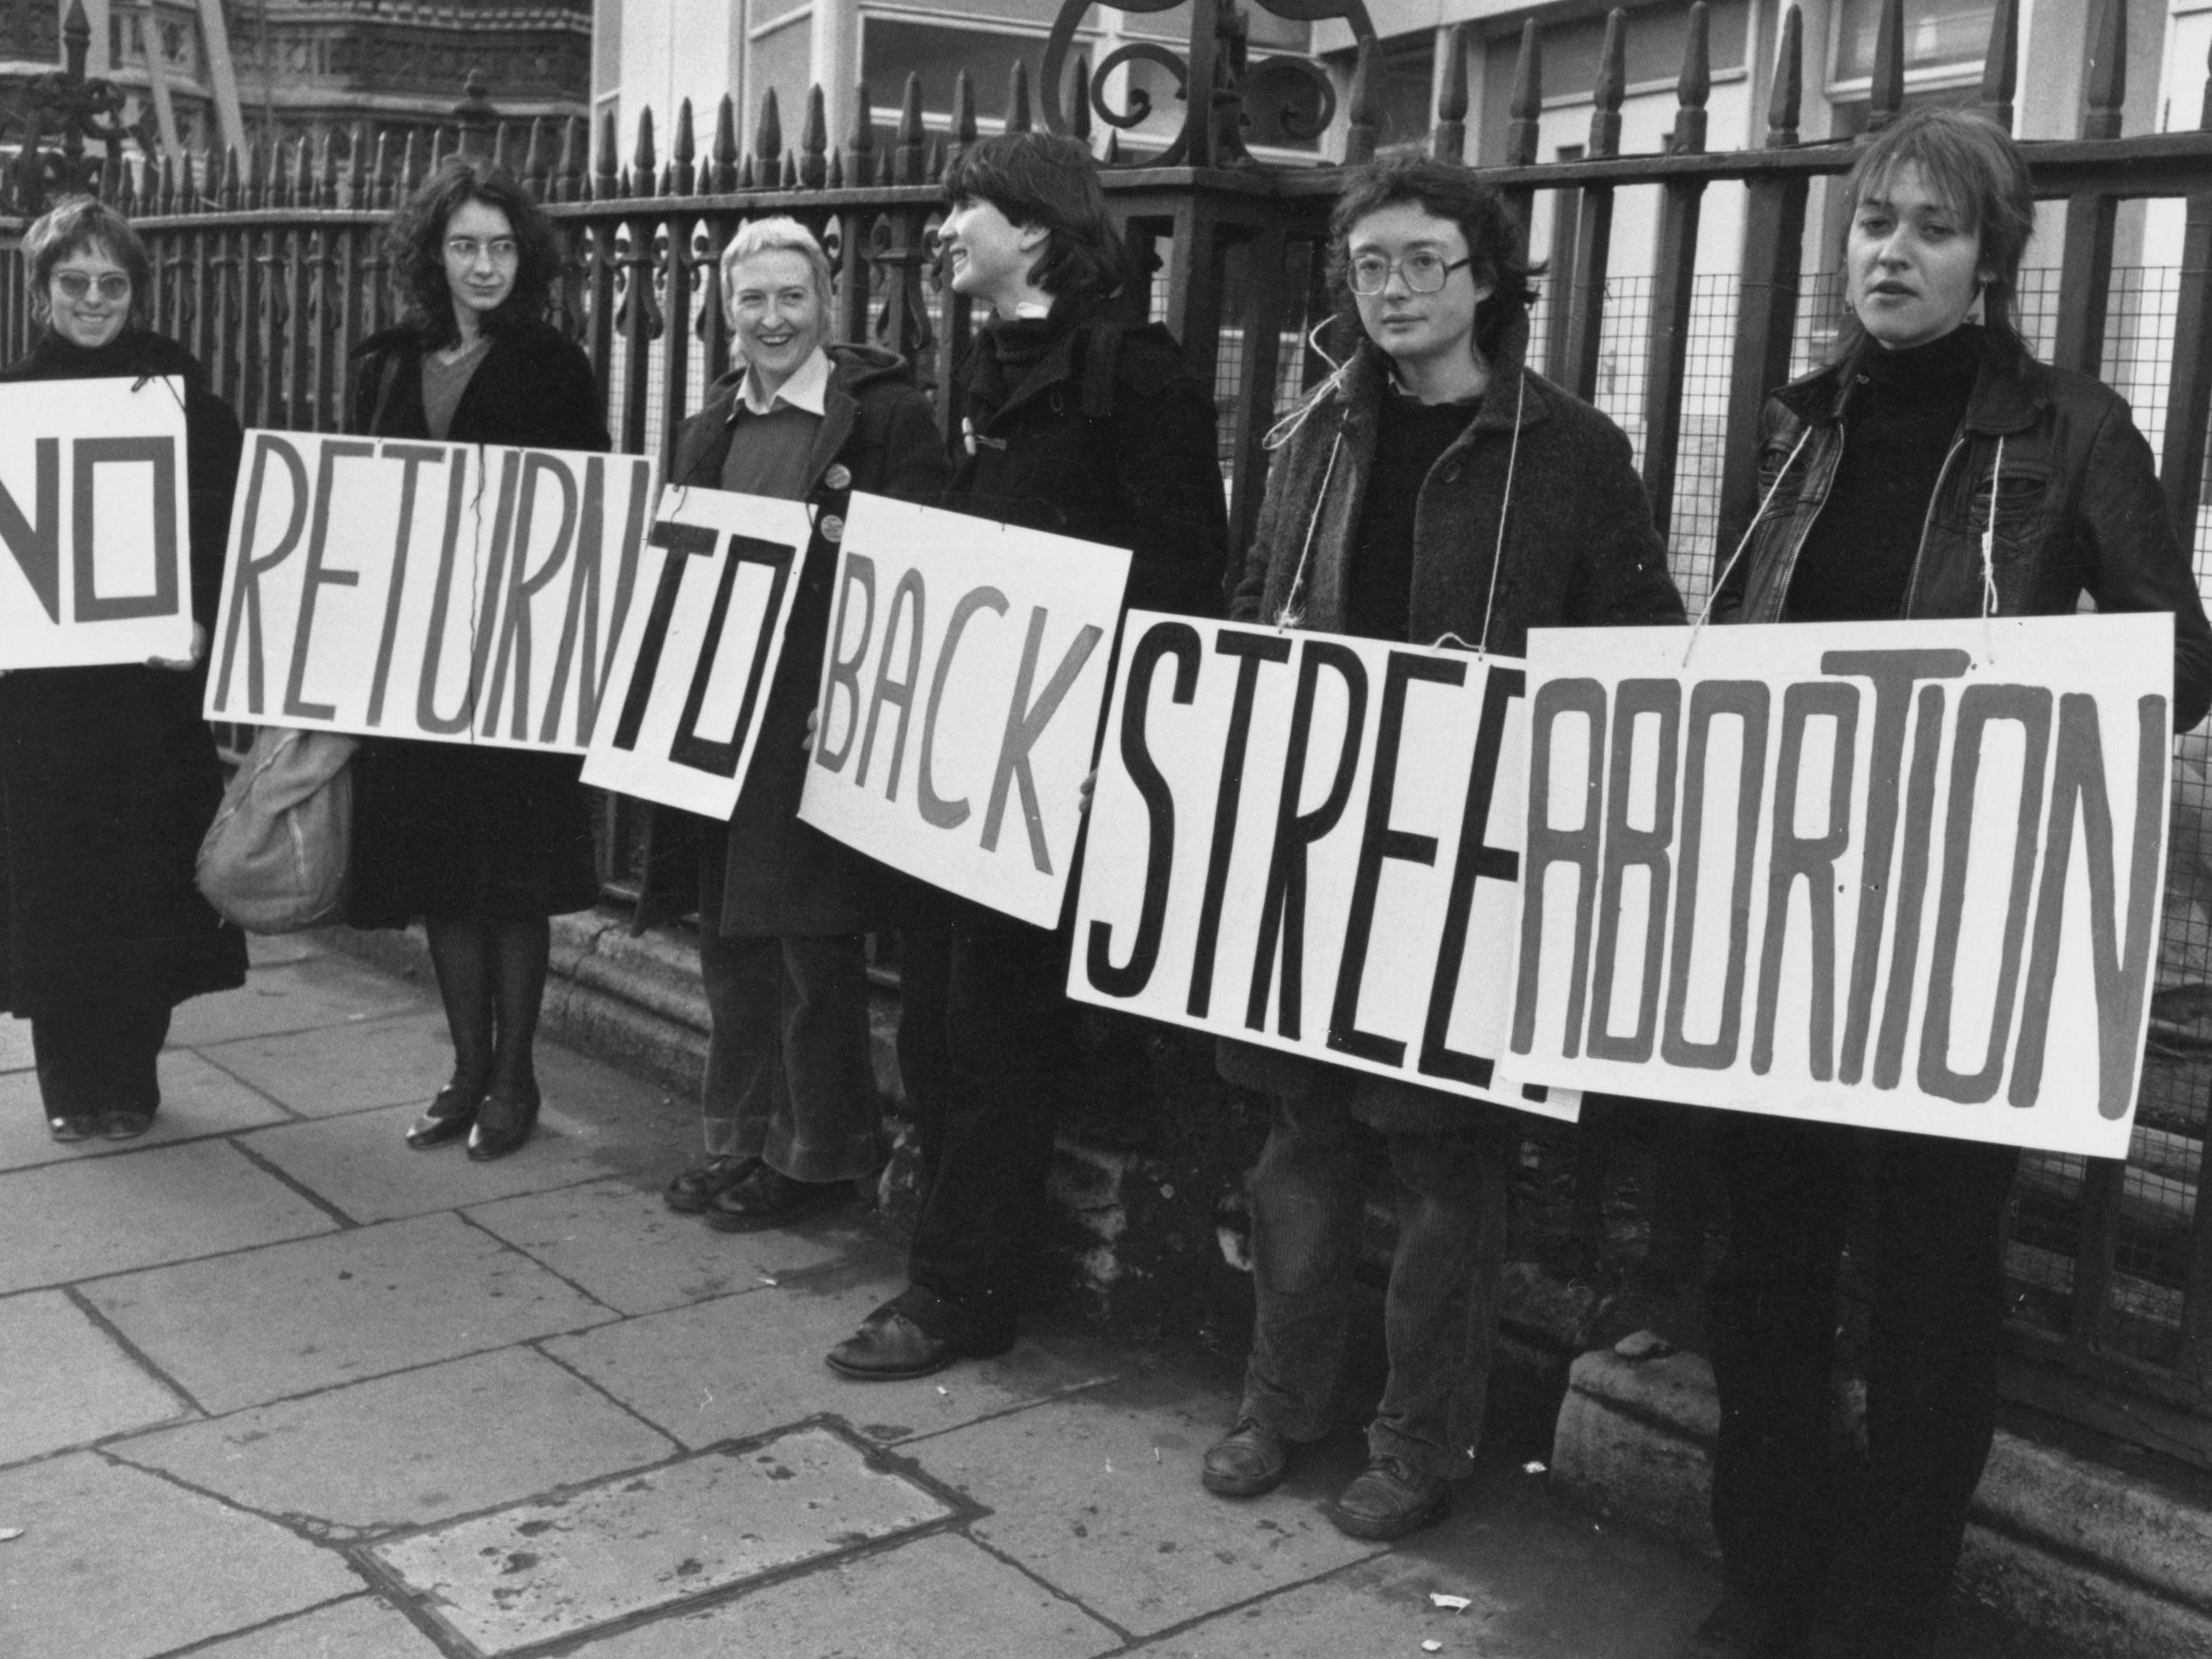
<point x="2078" y="505"/>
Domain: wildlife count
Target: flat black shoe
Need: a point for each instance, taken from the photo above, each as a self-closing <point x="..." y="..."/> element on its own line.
<point x="888" y="1347"/>
<point x="502" y="1126"/>
<point x="125" y="1126"/>
<point x="446" y="1119"/>
<point x="1248" y="1460"/>
<point x="768" y="1198"/>
<point x="695" y="1189"/>
<point x="69" y="1127"/>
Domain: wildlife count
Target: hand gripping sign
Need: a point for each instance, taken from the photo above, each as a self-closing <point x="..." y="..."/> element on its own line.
<point x="1902" y="875"/>
<point x="453" y="592"/>
<point x="966" y="664"/>
<point x="693" y="668"/>
<point x="1311" y="843"/>
<point x="94" y="564"/>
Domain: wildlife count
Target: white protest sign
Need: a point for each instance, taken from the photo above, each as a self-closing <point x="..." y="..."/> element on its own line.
<point x="95" y="560"/>
<point x="960" y="693"/>
<point x="1901" y="875"/>
<point x="449" y="592"/>
<point x="692" y="671"/>
<point x="1311" y="843"/>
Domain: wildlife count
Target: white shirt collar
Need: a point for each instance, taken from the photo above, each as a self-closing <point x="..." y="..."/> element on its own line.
<point x="1025" y="310"/>
<point x="807" y="389"/>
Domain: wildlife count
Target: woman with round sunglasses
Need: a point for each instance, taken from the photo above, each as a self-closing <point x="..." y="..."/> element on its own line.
<point x="108" y="775"/>
<point x="484" y="844"/>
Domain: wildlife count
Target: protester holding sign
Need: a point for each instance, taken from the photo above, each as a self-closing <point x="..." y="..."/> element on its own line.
<point x="1433" y="490"/>
<point x="1071" y="413"/>
<point x="790" y="1104"/>
<point x="1932" y="470"/>
<point x="108" y="776"/>
<point x="485" y="844"/>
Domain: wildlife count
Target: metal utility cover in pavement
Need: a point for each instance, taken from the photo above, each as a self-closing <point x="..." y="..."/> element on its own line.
<point x="554" y="1567"/>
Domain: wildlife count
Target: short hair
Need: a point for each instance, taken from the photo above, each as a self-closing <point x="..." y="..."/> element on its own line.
<point x="781" y="233"/>
<point x="1973" y="166"/>
<point x="78" y="224"/>
<point x="415" y="243"/>
<point x="1049" y="179"/>
<point x="1450" y="192"/>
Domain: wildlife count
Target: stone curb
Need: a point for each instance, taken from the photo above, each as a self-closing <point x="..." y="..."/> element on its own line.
<point x="2101" y="1561"/>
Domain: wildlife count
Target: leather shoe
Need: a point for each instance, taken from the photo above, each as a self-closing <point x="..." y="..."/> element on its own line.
<point x="1249" y="1459"/>
<point x="66" y="1127"/>
<point x="125" y="1126"/>
<point x="502" y="1126"/>
<point x="446" y="1119"/>
<point x="768" y="1198"/>
<point x="695" y="1189"/>
<point x="1389" y="1498"/>
<point x="887" y="1347"/>
<point x="1747" y="1626"/>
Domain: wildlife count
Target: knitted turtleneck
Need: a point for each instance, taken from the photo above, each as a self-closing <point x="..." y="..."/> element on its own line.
<point x="1903" y="409"/>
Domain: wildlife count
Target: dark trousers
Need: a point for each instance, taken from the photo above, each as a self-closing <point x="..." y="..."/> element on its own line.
<point x="1440" y="1311"/>
<point x="98" y="1059"/>
<point x="985" y="1034"/>
<point x="1882" y="1542"/>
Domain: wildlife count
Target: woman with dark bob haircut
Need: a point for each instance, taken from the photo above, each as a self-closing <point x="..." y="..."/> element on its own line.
<point x="1880" y="476"/>
<point x="484" y="844"/>
<point x="108" y="776"/>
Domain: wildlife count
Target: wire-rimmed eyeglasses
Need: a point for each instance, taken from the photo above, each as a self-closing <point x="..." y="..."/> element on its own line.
<point x="1424" y="273"/>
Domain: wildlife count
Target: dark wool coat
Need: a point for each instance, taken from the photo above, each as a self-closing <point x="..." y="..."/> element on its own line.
<point x="1579" y="550"/>
<point x="108" y="777"/>
<point x="879" y="434"/>
<point x="453" y="830"/>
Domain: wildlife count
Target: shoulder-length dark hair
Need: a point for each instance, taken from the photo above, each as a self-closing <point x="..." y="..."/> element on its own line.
<point x="79" y="224"/>
<point x="1973" y="165"/>
<point x="1050" y="180"/>
<point x="415" y="243"/>
<point x="1450" y="192"/>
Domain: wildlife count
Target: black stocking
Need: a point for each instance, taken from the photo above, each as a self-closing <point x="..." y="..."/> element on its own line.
<point x="519" y="948"/>
<point x="461" y="960"/>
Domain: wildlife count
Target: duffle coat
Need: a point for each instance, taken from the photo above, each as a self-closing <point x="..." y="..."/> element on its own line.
<point x="1579" y="550"/>
<point x="108" y="776"/>
<point x="879" y="434"/>
<point x="456" y="829"/>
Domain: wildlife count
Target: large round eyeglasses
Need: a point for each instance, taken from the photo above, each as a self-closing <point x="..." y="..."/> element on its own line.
<point x="75" y="285"/>
<point x="1425" y="273"/>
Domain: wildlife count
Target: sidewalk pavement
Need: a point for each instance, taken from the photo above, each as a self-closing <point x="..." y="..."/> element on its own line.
<point x="274" y="1385"/>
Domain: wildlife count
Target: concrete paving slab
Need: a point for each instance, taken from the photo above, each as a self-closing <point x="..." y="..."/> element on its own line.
<point x="111" y="1215"/>
<point x="346" y="1069"/>
<point x="632" y="1252"/>
<point x="120" y="1564"/>
<point x="70" y="1383"/>
<point x="409" y="1450"/>
<point x="733" y="1366"/>
<point x="1098" y="1496"/>
<point x="247" y="1329"/>
<point x="360" y="1628"/>
<point x="557" y="1568"/>
<point x="14" y="1043"/>
<point x="363" y="1166"/>
<point x="295" y="996"/>
<point x="198" y="1100"/>
<point x="938" y="1597"/>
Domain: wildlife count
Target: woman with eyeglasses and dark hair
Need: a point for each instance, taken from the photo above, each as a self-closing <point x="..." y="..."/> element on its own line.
<point x="484" y="844"/>
<point x="108" y="777"/>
